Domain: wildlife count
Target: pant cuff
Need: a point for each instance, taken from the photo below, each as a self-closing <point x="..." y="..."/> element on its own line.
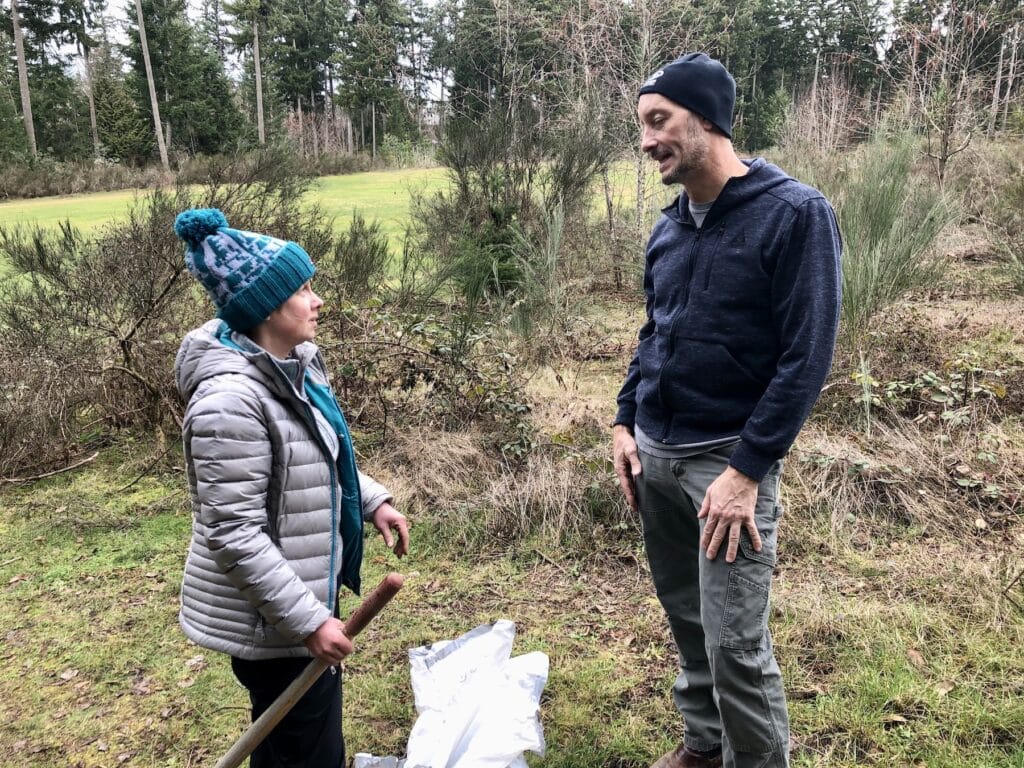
<point x="699" y="745"/>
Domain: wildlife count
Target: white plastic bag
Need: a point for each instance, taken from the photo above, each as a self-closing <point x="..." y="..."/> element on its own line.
<point x="478" y="707"/>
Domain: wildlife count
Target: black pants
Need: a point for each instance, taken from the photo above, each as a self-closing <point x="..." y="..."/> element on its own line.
<point x="309" y="736"/>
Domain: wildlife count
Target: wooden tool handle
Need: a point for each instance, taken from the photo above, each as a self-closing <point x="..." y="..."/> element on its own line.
<point x="282" y="705"/>
<point x="373" y="603"/>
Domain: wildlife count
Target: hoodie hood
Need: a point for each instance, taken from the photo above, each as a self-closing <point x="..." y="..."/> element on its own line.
<point x="214" y="349"/>
<point x="761" y="177"/>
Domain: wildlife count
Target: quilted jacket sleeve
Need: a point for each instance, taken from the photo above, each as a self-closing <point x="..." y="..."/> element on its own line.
<point x="231" y="455"/>
<point x="373" y="495"/>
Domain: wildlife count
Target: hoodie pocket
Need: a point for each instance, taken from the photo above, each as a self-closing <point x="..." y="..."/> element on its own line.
<point x="705" y="380"/>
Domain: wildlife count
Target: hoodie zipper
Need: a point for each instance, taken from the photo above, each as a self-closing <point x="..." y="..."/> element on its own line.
<point x="694" y="249"/>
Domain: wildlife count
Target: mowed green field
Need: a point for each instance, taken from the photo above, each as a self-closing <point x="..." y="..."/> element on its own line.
<point x="382" y="195"/>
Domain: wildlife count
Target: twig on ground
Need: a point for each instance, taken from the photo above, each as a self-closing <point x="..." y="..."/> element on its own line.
<point x="145" y="472"/>
<point x="68" y="468"/>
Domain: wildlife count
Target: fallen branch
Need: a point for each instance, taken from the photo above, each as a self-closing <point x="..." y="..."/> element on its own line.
<point x="146" y="471"/>
<point x="68" y="468"/>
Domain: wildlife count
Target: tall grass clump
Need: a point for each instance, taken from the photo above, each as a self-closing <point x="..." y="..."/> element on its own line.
<point x="889" y="223"/>
<point x="1007" y="218"/>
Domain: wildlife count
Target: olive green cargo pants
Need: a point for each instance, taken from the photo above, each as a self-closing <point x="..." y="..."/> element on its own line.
<point x="729" y="689"/>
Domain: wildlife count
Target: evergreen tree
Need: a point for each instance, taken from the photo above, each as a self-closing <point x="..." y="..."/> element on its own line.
<point x="59" y="106"/>
<point x="13" y="141"/>
<point x="125" y="133"/>
<point x="304" y="35"/>
<point x="377" y="47"/>
<point x="249" y="37"/>
<point x="197" y="105"/>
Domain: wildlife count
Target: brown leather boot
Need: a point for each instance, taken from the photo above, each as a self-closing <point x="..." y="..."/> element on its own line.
<point x="681" y="757"/>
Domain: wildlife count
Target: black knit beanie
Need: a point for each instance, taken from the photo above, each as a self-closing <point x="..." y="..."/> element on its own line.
<point x="699" y="83"/>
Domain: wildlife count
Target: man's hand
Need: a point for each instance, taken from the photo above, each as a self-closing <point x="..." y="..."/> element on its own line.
<point x="627" y="462"/>
<point x="386" y="517"/>
<point x="329" y="643"/>
<point x="729" y="508"/>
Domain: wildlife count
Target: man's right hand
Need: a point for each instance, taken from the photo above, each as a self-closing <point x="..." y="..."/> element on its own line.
<point x="627" y="462"/>
<point x="329" y="643"/>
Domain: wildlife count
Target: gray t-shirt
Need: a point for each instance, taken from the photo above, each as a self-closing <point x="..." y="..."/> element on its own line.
<point x="699" y="211"/>
<point x="661" y="450"/>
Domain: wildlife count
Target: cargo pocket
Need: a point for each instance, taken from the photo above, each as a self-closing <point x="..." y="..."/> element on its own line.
<point x="746" y="608"/>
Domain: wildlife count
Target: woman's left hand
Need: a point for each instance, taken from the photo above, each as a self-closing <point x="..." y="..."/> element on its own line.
<point x="386" y="517"/>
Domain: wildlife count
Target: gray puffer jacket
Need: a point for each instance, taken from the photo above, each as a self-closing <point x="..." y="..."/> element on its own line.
<point x="261" y="464"/>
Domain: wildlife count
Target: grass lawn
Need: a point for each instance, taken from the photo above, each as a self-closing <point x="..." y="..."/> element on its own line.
<point x="383" y="195"/>
<point x="879" y="670"/>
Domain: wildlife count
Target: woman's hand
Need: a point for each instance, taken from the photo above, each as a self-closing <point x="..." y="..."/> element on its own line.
<point x="329" y="643"/>
<point x="386" y="517"/>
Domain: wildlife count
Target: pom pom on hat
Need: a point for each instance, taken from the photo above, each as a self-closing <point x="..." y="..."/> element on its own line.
<point x="197" y="223"/>
<point x="248" y="275"/>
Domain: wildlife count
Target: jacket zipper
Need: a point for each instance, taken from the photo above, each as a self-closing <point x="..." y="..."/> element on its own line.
<point x="334" y="500"/>
<point x="334" y="511"/>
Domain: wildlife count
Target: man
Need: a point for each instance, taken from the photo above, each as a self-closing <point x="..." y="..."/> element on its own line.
<point x="742" y="279"/>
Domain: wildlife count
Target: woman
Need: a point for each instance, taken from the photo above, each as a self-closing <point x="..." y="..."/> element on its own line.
<point x="277" y="500"/>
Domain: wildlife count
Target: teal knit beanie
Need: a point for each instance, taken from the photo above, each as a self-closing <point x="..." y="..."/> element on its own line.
<point x="247" y="275"/>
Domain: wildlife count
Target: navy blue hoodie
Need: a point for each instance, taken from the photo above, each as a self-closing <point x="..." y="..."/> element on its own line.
<point x="742" y="317"/>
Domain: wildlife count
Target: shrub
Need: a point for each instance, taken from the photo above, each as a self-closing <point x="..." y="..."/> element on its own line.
<point x="91" y="326"/>
<point x="45" y="176"/>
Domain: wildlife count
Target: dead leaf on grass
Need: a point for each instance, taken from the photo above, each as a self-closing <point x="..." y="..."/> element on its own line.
<point x="188" y="682"/>
<point x="20" y="745"/>
<point x="68" y="674"/>
<point x="916" y="658"/>
<point x="16" y="579"/>
<point x="197" y="663"/>
<point x="980" y="524"/>
<point x="806" y="694"/>
<point x="102" y="746"/>
<point x="945" y="687"/>
<point x="894" y="720"/>
<point x="142" y="687"/>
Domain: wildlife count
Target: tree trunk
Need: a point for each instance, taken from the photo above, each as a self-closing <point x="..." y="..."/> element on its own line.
<point x="993" y="111"/>
<point x="26" y="98"/>
<point x="92" y="104"/>
<point x="610" y="208"/>
<point x="302" y="139"/>
<point x="258" y="72"/>
<point x="312" y="125"/>
<point x="335" y="125"/>
<point x="373" y="129"/>
<point x="1011" y="73"/>
<point x="157" y="124"/>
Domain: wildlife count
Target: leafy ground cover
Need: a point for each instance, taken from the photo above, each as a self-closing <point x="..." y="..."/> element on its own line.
<point x="898" y="645"/>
